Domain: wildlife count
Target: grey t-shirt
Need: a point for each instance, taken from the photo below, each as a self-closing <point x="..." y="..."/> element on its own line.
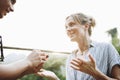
<point x="105" y="56"/>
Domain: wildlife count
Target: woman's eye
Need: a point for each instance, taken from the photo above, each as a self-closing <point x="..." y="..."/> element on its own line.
<point x="71" y="24"/>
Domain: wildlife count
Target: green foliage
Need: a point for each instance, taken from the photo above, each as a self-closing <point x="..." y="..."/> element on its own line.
<point x="29" y="77"/>
<point x="115" y="40"/>
<point x="56" y="63"/>
<point x="116" y="43"/>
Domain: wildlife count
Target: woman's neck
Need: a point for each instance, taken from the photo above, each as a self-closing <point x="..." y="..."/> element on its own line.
<point x="84" y="44"/>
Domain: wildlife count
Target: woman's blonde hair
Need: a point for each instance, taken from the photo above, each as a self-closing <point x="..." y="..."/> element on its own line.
<point x="83" y="19"/>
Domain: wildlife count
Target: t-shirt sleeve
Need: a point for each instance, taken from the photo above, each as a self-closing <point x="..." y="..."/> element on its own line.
<point x="113" y="57"/>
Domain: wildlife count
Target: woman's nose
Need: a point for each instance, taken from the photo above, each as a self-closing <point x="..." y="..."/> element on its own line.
<point x="69" y="29"/>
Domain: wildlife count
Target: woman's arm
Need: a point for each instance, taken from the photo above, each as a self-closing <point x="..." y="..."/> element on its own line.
<point x="116" y="72"/>
<point x="89" y="67"/>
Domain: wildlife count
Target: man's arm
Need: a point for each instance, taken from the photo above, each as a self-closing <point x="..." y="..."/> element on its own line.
<point x="32" y="63"/>
<point x="13" y="70"/>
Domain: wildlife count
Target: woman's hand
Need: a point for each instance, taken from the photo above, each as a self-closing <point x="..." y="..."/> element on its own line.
<point x="82" y="65"/>
<point x="89" y="67"/>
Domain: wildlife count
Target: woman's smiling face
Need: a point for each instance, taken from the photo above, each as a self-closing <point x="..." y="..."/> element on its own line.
<point x="75" y="30"/>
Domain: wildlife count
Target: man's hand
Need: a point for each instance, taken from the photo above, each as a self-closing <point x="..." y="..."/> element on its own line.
<point x="36" y="60"/>
<point x="48" y="74"/>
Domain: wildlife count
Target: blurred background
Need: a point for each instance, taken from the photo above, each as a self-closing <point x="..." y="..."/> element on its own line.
<point x="39" y="24"/>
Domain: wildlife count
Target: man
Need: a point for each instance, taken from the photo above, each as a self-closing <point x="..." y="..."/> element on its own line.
<point x="6" y="6"/>
<point x="31" y="64"/>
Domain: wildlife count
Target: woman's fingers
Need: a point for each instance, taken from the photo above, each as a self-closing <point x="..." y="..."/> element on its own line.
<point x="91" y="58"/>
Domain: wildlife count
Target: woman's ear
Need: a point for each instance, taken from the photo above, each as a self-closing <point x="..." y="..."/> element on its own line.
<point x="87" y="26"/>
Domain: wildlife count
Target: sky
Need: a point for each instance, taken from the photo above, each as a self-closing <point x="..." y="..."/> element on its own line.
<point x="39" y="24"/>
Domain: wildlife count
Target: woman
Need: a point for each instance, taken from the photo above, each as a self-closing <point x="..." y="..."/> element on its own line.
<point x="92" y="60"/>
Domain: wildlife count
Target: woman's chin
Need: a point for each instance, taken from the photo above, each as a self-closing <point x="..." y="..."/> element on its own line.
<point x="73" y="40"/>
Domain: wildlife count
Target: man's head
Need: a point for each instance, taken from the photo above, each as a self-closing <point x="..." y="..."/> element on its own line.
<point x="6" y="6"/>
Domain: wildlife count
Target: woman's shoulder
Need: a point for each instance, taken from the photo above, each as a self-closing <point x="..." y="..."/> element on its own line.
<point x="75" y="51"/>
<point x="101" y="44"/>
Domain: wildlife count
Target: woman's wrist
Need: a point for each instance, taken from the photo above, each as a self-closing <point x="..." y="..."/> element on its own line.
<point x="98" y="75"/>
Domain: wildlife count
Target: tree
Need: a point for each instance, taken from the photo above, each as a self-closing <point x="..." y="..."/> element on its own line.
<point x="114" y="38"/>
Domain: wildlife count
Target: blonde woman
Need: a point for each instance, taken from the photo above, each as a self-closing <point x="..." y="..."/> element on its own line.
<point x="92" y="60"/>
